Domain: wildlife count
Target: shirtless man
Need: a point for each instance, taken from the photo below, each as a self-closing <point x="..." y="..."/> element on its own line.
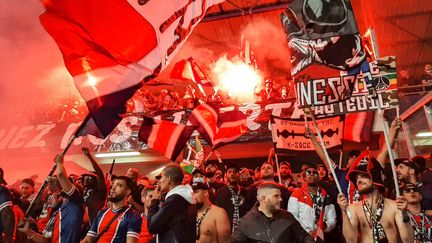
<point x="389" y="221"/>
<point x="212" y="221"/>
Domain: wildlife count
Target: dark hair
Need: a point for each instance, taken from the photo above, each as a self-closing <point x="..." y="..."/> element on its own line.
<point x="175" y="172"/>
<point x="354" y="153"/>
<point x="266" y="162"/>
<point x="231" y="166"/>
<point x="28" y="181"/>
<point x="129" y="183"/>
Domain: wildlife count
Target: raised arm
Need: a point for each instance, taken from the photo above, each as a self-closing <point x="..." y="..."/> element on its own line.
<point x="349" y="220"/>
<point x="319" y="150"/>
<point x="402" y="221"/>
<point x="66" y="185"/>
<point x="394" y="128"/>
<point x="96" y="167"/>
<point x="94" y="163"/>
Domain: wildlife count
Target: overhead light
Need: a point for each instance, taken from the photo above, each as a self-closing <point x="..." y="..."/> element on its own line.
<point x="117" y="154"/>
<point x="424" y="134"/>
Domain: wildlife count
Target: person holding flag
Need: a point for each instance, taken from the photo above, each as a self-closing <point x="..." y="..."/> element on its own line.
<point x="66" y="229"/>
<point x="346" y="186"/>
<point x="375" y="218"/>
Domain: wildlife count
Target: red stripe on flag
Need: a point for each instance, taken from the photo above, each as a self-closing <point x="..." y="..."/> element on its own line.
<point x="166" y="137"/>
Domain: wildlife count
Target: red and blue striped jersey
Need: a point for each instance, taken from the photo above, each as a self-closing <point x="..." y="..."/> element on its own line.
<point x="5" y="201"/>
<point x="127" y="224"/>
<point x="68" y="220"/>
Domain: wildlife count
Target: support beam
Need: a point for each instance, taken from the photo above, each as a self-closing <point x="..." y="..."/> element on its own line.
<point x="245" y="11"/>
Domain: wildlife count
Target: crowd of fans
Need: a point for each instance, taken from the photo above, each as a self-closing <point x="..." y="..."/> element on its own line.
<point x="220" y="202"/>
<point x="163" y="100"/>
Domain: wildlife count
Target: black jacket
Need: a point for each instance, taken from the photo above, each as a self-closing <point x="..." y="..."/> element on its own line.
<point x="282" y="227"/>
<point x="174" y="222"/>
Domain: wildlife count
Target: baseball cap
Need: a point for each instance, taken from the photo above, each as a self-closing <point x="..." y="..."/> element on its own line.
<point x="200" y="186"/>
<point x="408" y="163"/>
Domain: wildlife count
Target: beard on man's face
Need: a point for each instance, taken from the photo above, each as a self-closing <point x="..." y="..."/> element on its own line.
<point x="312" y="183"/>
<point x="199" y="205"/>
<point x="366" y="189"/>
<point x="116" y="198"/>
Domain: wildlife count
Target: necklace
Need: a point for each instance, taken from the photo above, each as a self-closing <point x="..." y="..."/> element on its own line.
<point x="373" y="218"/>
<point x="237" y="201"/>
<point x="420" y="229"/>
<point x="199" y="221"/>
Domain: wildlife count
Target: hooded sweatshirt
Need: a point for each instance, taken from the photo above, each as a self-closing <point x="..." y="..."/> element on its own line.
<point x="174" y="221"/>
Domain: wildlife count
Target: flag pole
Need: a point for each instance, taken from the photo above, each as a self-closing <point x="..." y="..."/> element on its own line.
<point x="389" y="149"/>
<point x="53" y="169"/>
<point x="109" y="175"/>
<point x="189" y="152"/>
<point x="340" y="158"/>
<point x="45" y="183"/>
<point x="277" y="166"/>
<point x="276" y="158"/>
<point x="324" y="149"/>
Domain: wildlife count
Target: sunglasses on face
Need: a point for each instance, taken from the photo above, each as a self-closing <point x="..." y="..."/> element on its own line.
<point x="410" y="190"/>
<point x="310" y="172"/>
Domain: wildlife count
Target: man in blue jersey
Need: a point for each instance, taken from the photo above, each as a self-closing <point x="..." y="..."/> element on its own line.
<point x="65" y="224"/>
<point x="120" y="222"/>
<point x="7" y="219"/>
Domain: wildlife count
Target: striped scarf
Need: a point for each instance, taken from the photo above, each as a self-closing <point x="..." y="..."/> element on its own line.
<point x="318" y="202"/>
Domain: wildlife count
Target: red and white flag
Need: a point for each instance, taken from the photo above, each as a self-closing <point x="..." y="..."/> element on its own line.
<point x="110" y="46"/>
<point x="218" y="128"/>
<point x="189" y="70"/>
<point x="358" y="126"/>
<point x="166" y="137"/>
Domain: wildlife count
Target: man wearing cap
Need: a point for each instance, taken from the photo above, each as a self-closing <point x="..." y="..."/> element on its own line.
<point x="346" y="186"/>
<point x="211" y="168"/>
<point x="268" y="222"/>
<point x="375" y="218"/>
<point x="312" y="207"/>
<point x="407" y="171"/>
<point x="231" y="196"/>
<point x="174" y="221"/>
<point x="425" y="174"/>
<point x="420" y="221"/>
<point x="212" y="223"/>
<point x="322" y="172"/>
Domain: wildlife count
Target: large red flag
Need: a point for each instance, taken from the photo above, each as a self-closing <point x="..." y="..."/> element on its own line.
<point x="188" y="69"/>
<point x="218" y="128"/>
<point x="166" y="137"/>
<point x="110" y="46"/>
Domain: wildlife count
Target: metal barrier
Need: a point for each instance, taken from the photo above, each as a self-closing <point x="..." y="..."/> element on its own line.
<point x="417" y="126"/>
